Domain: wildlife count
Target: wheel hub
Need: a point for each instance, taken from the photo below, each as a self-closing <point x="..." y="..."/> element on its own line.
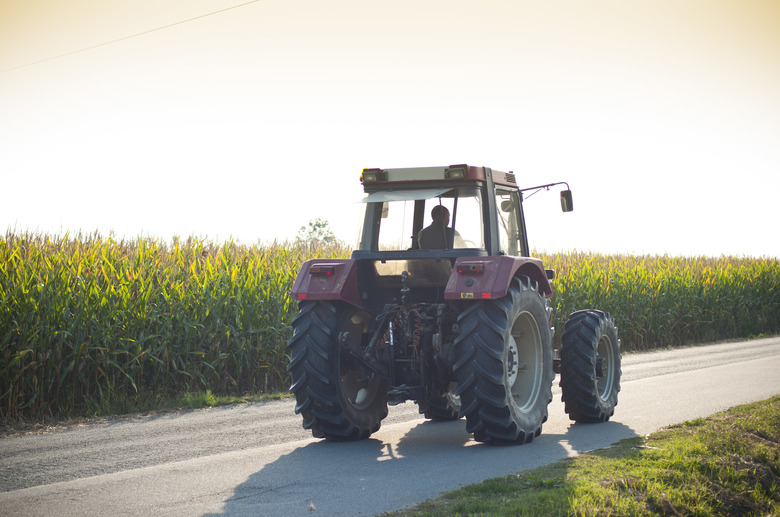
<point x="512" y="362"/>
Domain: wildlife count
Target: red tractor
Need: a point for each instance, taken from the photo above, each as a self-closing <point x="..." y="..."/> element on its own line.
<point x="441" y="304"/>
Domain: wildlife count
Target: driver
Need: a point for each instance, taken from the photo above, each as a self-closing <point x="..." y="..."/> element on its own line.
<point x="438" y="235"/>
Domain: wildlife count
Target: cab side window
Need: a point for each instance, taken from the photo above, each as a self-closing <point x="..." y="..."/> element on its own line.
<point x="508" y="206"/>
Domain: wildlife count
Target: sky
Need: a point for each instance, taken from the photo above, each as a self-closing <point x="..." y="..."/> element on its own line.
<point x="245" y="120"/>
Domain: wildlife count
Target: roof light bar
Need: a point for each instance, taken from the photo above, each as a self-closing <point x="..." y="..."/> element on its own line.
<point x="456" y="173"/>
<point x="373" y="175"/>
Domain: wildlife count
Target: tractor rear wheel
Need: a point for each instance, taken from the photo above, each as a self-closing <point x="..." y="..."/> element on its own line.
<point x="504" y="365"/>
<point x="590" y="366"/>
<point x="337" y="398"/>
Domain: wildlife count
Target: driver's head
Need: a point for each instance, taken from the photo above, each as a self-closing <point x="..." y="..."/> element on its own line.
<point x="440" y="214"/>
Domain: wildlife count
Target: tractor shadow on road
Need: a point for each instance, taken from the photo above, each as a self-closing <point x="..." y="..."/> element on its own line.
<point x="378" y="475"/>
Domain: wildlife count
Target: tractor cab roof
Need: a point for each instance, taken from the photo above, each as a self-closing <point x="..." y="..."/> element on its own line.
<point x="375" y="180"/>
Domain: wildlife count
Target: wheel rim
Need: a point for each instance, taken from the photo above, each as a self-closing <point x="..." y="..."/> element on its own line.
<point x="524" y="361"/>
<point x="359" y="389"/>
<point x="358" y="386"/>
<point x="605" y="381"/>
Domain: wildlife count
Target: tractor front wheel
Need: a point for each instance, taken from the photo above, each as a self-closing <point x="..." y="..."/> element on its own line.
<point x="437" y="407"/>
<point x="590" y="366"/>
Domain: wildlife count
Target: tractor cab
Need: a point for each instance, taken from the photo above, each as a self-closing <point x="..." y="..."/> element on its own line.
<point x="453" y="211"/>
<point x="419" y="224"/>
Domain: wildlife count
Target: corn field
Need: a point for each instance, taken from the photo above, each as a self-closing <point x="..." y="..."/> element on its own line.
<point x="87" y="321"/>
<point x="670" y="301"/>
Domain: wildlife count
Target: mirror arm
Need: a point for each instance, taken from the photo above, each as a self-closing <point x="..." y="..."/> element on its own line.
<point x="540" y="187"/>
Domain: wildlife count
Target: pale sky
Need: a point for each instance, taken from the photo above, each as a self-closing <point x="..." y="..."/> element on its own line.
<point x="663" y="116"/>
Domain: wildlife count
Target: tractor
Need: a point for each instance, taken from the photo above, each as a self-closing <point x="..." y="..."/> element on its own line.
<point x="441" y="304"/>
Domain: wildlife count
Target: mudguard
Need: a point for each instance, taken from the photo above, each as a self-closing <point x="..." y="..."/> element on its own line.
<point x="328" y="279"/>
<point x="489" y="277"/>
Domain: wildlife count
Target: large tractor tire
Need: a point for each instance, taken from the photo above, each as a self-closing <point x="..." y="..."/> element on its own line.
<point x="590" y="366"/>
<point x="437" y="407"/>
<point x="337" y="399"/>
<point x="504" y="365"/>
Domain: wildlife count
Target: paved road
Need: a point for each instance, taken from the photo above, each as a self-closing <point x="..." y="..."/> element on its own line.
<point x="255" y="459"/>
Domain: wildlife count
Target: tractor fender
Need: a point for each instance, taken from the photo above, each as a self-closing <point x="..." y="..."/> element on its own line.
<point x="328" y="279"/>
<point x="489" y="277"/>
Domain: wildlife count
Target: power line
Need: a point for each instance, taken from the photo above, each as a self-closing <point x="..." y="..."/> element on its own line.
<point x="85" y="49"/>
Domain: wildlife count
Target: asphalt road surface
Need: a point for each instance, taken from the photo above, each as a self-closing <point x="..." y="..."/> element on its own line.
<point x="255" y="459"/>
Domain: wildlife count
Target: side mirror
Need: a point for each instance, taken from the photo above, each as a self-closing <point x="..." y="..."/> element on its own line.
<point x="566" y="203"/>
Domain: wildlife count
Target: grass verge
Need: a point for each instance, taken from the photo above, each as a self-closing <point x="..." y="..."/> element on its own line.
<point x="727" y="464"/>
<point x="120" y="408"/>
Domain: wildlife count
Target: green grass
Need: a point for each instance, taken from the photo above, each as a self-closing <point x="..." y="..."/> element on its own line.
<point x="728" y="464"/>
<point x="207" y="399"/>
